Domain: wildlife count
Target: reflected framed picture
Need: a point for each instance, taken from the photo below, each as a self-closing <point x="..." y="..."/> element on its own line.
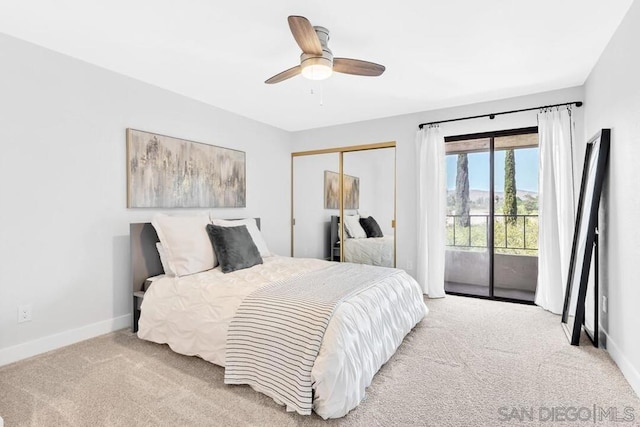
<point x="332" y="191"/>
<point x="584" y="236"/>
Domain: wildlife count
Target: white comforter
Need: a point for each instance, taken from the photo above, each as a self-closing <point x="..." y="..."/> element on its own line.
<point x="192" y="315"/>
<point x="372" y="251"/>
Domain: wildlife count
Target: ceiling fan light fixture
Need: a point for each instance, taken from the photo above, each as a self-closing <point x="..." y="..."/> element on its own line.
<point x="317" y="68"/>
<point x="316" y="60"/>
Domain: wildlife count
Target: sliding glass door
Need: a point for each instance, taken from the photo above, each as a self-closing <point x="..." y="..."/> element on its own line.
<point x="468" y="258"/>
<point x="492" y="215"/>
<point x="515" y="260"/>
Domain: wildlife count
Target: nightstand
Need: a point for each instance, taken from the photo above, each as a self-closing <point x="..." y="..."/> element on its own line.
<point x="138" y="296"/>
<point x="335" y="252"/>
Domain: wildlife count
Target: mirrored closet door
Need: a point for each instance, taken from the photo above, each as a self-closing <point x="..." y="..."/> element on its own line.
<point x="343" y="204"/>
<point x="310" y="222"/>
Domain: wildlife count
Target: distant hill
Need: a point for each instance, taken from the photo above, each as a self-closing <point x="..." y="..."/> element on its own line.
<point x="475" y="195"/>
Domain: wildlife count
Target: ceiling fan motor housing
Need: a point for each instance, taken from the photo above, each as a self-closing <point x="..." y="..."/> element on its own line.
<point x="313" y="63"/>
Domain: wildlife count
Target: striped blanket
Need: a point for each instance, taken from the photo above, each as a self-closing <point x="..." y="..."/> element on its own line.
<point x="275" y="336"/>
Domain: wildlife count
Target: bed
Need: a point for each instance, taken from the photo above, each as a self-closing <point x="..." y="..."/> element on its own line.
<point x="193" y="314"/>
<point x="378" y="251"/>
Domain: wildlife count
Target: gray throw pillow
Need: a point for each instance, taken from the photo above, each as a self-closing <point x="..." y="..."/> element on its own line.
<point x="234" y="247"/>
<point x="371" y="227"/>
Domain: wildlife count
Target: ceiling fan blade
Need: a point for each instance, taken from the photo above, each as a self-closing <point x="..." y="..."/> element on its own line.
<point x="357" y="67"/>
<point x="305" y="35"/>
<point x="287" y="74"/>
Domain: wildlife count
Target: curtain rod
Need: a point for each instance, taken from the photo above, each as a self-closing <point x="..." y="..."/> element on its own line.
<point x="493" y="115"/>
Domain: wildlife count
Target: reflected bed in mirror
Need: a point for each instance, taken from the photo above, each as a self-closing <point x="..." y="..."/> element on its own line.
<point x="595" y="164"/>
<point x="362" y="250"/>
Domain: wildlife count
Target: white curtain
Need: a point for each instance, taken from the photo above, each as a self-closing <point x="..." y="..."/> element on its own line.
<point x="556" y="213"/>
<point x="431" y="211"/>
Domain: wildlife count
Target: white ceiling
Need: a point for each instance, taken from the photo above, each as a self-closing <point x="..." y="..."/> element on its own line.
<point x="438" y="53"/>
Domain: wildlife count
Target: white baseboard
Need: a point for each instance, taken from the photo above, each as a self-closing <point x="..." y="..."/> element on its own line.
<point x="62" y="339"/>
<point x="628" y="370"/>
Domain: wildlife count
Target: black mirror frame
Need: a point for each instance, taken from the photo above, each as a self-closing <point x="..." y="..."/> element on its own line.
<point x="598" y="145"/>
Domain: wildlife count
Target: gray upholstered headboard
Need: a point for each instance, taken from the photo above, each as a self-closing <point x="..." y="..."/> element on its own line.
<point x="145" y="261"/>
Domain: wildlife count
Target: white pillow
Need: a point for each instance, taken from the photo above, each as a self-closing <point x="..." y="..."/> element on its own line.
<point x="363" y="214"/>
<point x="164" y="261"/>
<point x="252" y="227"/>
<point x="186" y="243"/>
<point x="353" y="227"/>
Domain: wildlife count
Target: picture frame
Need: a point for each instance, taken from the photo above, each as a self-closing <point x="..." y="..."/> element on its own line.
<point x="332" y="191"/>
<point x="169" y="172"/>
<point x="584" y="237"/>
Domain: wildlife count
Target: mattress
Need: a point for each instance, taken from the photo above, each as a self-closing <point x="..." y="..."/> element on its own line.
<point x="192" y="314"/>
<point x="373" y="251"/>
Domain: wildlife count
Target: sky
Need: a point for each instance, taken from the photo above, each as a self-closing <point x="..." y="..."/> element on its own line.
<point x="526" y="170"/>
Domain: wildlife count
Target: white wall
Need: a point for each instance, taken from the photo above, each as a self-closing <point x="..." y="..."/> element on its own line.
<point x="612" y="94"/>
<point x="64" y="227"/>
<point x="402" y="129"/>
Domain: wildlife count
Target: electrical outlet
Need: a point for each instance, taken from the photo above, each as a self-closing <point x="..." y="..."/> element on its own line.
<point x="409" y="265"/>
<point x="604" y="304"/>
<point x="24" y="313"/>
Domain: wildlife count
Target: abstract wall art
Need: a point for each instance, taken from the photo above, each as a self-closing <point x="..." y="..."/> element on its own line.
<point x="167" y="172"/>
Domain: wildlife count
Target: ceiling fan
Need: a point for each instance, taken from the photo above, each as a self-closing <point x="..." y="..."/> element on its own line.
<point x="317" y="61"/>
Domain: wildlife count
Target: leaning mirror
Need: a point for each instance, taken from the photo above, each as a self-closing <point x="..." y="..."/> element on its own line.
<point x="595" y="163"/>
<point x="591" y="317"/>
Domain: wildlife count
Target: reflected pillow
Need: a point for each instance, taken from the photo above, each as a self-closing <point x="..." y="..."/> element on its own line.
<point x="234" y="247"/>
<point x="371" y="227"/>
<point x="353" y="227"/>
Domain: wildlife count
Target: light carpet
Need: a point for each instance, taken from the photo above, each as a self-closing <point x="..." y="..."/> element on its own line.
<point x="470" y="362"/>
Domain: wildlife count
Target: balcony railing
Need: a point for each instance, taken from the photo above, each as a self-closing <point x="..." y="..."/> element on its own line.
<point x="512" y="233"/>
